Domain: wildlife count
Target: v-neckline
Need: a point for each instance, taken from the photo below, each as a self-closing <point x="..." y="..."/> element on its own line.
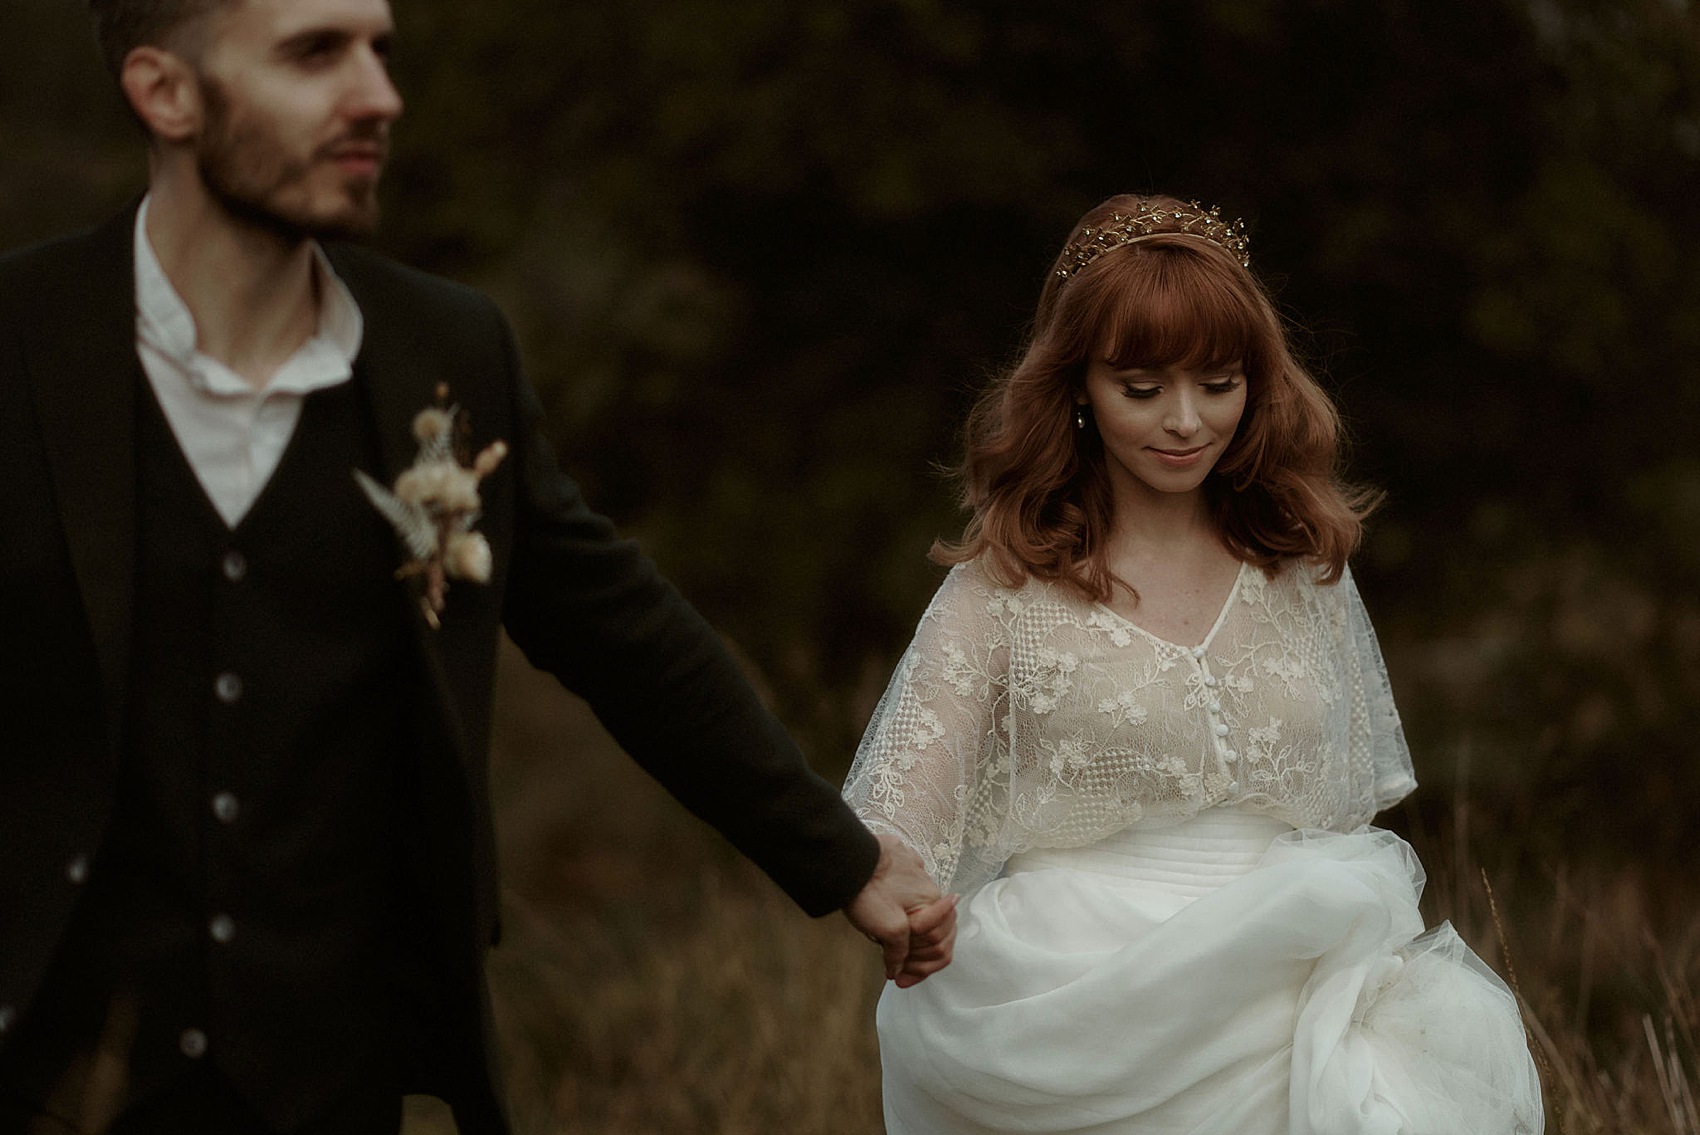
<point x="185" y="462"/>
<point x="1209" y="636"/>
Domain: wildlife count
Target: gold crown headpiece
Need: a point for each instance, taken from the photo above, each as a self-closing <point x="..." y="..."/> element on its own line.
<point x="1147" y="221"/>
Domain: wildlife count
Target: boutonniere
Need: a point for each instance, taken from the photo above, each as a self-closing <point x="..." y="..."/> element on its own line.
<point x="435" y="504"/>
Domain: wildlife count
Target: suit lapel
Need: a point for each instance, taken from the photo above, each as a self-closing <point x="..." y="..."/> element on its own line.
<point x="399" y="379"/>
<point x="398" y="382"/>
<point x="80" y="356"/>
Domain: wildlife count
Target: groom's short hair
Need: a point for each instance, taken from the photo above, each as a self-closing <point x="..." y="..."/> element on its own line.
<point x="121" y="26"/>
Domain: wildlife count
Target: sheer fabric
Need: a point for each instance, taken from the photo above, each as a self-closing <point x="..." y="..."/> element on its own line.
<point x="1029" y="717"/>
<point x="1175" y="916"/>
<point x="1226" y="975"/>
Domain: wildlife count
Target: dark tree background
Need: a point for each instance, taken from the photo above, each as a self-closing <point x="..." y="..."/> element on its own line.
<point x="761" y="254"/>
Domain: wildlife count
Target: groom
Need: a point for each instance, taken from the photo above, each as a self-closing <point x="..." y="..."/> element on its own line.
<point x="246" y="870"/>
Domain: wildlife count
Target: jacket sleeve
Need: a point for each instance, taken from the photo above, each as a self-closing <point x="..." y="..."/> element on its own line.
<point x="589" y="608"/>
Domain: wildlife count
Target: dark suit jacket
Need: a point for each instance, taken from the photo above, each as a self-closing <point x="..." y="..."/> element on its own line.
<point x="581" y="603"/>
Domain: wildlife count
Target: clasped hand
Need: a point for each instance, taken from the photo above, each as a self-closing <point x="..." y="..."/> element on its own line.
<point x="900" y="909"/>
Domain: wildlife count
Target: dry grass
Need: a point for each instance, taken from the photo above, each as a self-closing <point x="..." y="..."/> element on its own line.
<point x="651" y="982"/>
<point x="1607" y="974"/>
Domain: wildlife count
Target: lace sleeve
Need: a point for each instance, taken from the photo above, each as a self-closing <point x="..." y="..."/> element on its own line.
<point x="932" y="767"/>
<point x="1377" y="736"/>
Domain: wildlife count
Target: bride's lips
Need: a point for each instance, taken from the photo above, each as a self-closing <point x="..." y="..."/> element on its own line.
<point x="1179" y="458"/>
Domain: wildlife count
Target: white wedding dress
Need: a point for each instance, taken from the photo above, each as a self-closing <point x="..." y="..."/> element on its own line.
<point x="1175" y="916"/>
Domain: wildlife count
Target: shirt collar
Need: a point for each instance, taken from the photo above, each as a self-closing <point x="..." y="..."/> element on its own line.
<point x="163" y="322"/>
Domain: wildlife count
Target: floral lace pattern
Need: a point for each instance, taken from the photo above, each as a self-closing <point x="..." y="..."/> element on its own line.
<point x="1030" y="717"/>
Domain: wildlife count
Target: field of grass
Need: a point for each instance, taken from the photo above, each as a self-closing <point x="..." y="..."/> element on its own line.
<point x="652" y="982"/>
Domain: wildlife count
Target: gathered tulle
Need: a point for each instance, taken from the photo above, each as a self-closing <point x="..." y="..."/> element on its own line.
<point x="1176" y="919"/>
<point x="1226" y="975"/>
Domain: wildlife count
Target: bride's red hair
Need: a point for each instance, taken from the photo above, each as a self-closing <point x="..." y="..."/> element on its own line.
<point x="1036" y="485"/>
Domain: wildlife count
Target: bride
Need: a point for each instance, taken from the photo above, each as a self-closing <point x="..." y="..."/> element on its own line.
<point x="1142" y="729"/>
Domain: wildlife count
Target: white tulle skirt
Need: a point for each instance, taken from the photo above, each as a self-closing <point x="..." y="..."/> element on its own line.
<point x="1229" y="976"/>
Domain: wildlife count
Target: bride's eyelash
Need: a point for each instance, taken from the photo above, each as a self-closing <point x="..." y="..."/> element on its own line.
<point x="1222" y="386"/>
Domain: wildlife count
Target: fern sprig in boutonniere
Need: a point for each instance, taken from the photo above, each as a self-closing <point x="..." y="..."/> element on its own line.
<point x="435" y="505"/>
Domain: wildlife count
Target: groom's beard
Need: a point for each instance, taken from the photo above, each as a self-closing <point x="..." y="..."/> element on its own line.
<point x="250" y="171"/>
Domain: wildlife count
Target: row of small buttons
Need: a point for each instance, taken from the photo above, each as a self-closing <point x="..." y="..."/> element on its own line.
<point x="1220" y="728"/>
<point x="192" y="1042"/>
<point x="225" y="807"/>
<point x="227" y="687"/>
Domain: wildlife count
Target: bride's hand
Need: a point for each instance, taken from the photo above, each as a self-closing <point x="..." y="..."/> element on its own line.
<point x="932" y="939"/>
<point x="901" y="910"/>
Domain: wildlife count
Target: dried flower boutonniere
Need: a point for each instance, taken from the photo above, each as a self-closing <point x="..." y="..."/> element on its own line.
<point x="435" y="504"/>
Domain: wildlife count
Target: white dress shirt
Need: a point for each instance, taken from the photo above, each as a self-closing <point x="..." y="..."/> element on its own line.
<point x="233" y="434"/>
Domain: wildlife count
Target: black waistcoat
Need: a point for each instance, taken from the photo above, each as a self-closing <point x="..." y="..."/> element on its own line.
<point x="249" y="907"/>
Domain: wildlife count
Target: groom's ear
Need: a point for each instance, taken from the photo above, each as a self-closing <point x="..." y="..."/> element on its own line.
<point x="161" y="88"/>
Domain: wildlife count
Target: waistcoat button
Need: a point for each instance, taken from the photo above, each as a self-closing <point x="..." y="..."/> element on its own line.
<point x="77" y="871"/>
<point x="235" y="566"/>
<point x="228" y="687"/>
<point x="225" y="807"/>
<point x="192" y="1043"/>
<point x="222" y="928"/>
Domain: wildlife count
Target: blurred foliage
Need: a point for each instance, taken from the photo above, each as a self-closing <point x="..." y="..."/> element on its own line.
<point x="761" y="254"/>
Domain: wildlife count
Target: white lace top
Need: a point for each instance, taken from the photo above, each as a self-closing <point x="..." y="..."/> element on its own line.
<point x="1033" y="718"/>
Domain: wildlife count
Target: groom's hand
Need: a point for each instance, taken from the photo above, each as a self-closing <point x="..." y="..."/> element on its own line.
<point x="902" y="911"/>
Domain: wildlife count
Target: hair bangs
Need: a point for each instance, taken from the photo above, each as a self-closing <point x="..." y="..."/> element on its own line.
<point x="1171" y="305"/>
<point x="1034" y="473"/>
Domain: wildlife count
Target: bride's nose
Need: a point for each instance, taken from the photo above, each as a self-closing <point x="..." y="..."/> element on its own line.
<point x="1182" y="418"/>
